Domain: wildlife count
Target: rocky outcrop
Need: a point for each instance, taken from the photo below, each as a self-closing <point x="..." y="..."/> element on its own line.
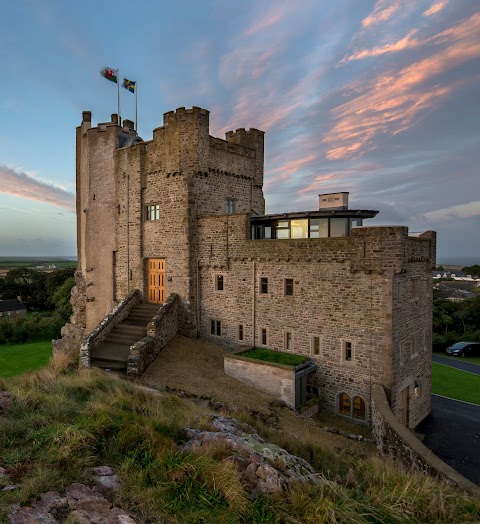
<point x="263" y="467"/>
<point x="80" y="504"/>
<point x="5" y="401"/>
<point x="74" y="331"/>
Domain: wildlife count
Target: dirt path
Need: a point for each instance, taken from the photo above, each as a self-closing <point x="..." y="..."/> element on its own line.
<point x="196" y="368"/>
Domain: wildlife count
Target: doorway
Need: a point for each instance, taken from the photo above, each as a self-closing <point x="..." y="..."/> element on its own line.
<point x="404" y="406"/>
<point x="156" y="280"/>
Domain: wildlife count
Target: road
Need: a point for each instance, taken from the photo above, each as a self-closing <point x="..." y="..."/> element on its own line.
<point x="452" y="432"/>
<point x="458" y="363"/>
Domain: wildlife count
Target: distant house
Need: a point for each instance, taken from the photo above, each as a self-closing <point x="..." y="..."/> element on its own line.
<point x="12" y="308"/>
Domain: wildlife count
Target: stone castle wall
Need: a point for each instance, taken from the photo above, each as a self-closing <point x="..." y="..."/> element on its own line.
<point x="342" y="293"/>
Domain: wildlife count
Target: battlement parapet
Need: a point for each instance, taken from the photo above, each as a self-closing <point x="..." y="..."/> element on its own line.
<point x="172" y="117"/>
<point x="252" y="138"/>
<point x="232" y="147"/>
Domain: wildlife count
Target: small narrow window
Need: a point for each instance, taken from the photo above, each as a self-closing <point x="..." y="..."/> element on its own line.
<point x="264" y="337"/>
<point x="288" y="341"/>
<point x="289" y="287"/>
<point x="229" y="206"/>
<point x="153" y="212"/>
<point x="414" y="343"/>
<point x="216" y="328"/>
<point x="219" y="283"/>
<point x="315" y="349"/>
<point x="415" y="287"/>
<point x="347" y="351"/>
<point x="264" y="285"/>
<point x="240" y="332"/>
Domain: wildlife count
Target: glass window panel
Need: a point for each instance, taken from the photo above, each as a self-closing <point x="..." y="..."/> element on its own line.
<point x="358" y="408"/>
<point x="319" y="228"/>
<point x="354" y="222"/>
<point x="344" y="407"/>
<point x="338" y="227"/>
<point x="299" y="228"/>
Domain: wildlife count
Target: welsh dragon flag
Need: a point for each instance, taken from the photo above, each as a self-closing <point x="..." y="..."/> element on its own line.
<point x="110" y="74"/>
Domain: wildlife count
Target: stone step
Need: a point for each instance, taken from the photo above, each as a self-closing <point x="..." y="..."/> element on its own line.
<point x="129" y="329"/>
<point x="122" y="339"/>
<point x="107" y="364"/>
<point x="111" y="352"/>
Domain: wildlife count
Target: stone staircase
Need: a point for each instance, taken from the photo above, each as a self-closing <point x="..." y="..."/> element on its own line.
<point x="113" y="352"/>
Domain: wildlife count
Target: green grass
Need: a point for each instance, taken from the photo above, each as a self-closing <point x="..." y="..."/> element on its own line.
<point x="277" y="357"/>
<point x="19" y="358"/>
<point x="62" y="422"/>
<point x="470" y="360"/>
<point x="454" y="383"/>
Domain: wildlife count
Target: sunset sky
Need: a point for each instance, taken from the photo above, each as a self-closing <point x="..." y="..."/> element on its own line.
<point x="379" y="98"/>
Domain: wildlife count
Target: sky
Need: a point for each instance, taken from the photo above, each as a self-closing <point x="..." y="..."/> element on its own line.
<point x="378" y="98"/>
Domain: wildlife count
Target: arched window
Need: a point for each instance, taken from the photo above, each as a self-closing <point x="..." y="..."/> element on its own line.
<point x="344" y="405"/>
<point x="358" y="408"/>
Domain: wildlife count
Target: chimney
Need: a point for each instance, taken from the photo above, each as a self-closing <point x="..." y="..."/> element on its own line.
<point x="19" y="298"/>
<point x="114" y="118"/>
<point x="128" y="124"/>
<point x="333" y="201"/>
<point x="86" y="116"/>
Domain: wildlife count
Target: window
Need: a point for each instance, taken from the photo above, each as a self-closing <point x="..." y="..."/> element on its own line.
<point x="216" y="328"/>
<point x="288" y="287"/>
<point x="263" y="336"/>
<point x="318" y="227"/>
<point x="153" y="212"/>
<point x="299" y="228"/>
<point x="415" y="287"/>
<point x="229" y="206"/>
<point x="240" y="332"/>
<point x="338" y="227"/>
<point x="315" y="345"/>
<point x="344" y="404"/>
<point x="219" y="283"/>
<point x="355" y="409"/>
<point x="288" y="341"/>
<point x="414" y="343"/>
<point x="282" y="229"/>
<point x="263" y="285"/>
<point x="347" y="351"/>
<point x="358" y="408"/>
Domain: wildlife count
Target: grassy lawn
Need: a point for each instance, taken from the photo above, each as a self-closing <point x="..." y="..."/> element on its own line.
<point x="19" y="358"/>
<point x="454" y="383"/>
<point x="470" y="360"/>
<point x="278" y="357"/>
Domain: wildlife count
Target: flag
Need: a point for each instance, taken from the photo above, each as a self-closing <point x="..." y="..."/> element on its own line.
<point x="129" y="85"/>
<point x="110" y="74"/>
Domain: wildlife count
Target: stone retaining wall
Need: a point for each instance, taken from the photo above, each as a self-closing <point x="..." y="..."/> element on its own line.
<point x="162" y="328"/>
<point x="395" y="440"/>
<point x="101" y="332"/>
<point x="276" y="379"/>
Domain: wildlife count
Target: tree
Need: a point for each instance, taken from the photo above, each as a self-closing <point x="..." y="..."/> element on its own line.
<point x="472" y="270"/>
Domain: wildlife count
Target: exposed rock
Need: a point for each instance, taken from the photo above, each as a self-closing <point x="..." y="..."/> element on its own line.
<point x="11" y="487"/>
<point x="263" y="467"/>
<point x="5" y="401"/>
<point x="3" y="473"/>
<point x="83" y="498"/>
<point x="105" y="478"/>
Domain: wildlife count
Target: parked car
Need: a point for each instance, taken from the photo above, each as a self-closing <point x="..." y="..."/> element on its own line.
<point x="464" y="349"/>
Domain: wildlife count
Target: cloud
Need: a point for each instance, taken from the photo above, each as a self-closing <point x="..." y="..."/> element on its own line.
<point x="469" y="210"/>
<point x="382" y="11"/>
<point x="407" y="42"/>
<point x="435" y="8"/>
<point x="18" y="183"/>
<point x="391" y="101"/>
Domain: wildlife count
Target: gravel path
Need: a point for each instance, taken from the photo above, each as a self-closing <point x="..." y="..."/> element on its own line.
<point x="195" y="367"/>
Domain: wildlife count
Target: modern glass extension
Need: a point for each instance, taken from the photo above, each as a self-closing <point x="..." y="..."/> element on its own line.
<point x="264" y="227"/>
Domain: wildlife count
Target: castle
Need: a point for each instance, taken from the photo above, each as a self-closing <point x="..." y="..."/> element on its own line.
<point x="184" y="213"/>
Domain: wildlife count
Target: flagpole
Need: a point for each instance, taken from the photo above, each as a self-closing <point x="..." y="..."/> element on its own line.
<point x="136" y="114"/>
<point x="118" y="95"/>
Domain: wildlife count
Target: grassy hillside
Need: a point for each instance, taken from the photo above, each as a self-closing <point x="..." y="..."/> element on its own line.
<point x="15" y="359"/>
<point x="62" y="422"/>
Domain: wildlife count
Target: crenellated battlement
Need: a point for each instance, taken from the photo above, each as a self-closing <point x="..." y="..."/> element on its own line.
<point x="172" y="117"/>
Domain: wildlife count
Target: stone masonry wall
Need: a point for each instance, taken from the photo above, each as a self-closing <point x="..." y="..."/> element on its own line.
<point x="396" y="441"/>
<point x="278" y="381"/>
<point x="342" y="293"/>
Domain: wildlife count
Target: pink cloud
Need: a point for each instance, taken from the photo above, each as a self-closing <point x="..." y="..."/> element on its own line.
<point x="382" y="11"/>
<point x="22" y="185"/>
<point x="284" y="171"/>
<point x="391" y="102"/>
<point x="407" y="42"/>
<point x="436" y="8"/>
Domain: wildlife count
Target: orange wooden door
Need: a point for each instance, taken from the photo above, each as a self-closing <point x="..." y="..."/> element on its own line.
<point x="156" y="280"/>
